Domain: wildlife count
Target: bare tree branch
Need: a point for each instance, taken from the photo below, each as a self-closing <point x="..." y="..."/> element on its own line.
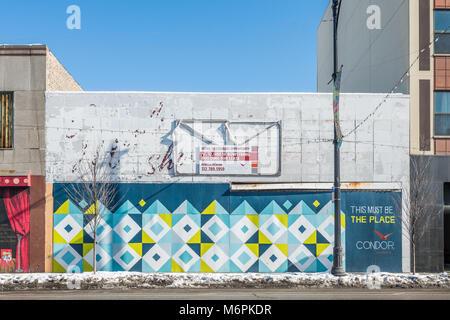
<point x="95" y="186"/>
<point x="416" y="210"/>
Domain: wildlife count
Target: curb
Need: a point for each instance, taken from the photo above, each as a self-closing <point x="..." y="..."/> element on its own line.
<point x="129" y="280"/>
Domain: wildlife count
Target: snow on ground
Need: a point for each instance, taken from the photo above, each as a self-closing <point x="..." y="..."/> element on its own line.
<point x="111" y="280"/>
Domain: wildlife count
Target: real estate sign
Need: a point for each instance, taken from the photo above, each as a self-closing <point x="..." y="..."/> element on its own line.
<point x="228" y="160"/>
<point x="373" y="231"/>
<point x="225" y="148"/>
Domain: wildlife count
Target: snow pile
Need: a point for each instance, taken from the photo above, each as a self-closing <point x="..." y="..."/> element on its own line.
<point x="111" y="280"/>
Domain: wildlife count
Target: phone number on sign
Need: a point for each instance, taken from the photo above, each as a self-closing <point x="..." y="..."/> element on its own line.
<point x="213" y="169"/>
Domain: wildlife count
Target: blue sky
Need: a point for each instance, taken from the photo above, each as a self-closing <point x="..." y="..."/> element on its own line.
<point x="176" y="45"/>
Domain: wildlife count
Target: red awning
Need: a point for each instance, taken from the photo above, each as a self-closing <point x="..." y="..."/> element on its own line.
<point x="15" y="181"/>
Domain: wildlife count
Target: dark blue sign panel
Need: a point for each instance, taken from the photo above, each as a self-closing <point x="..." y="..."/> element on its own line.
<point x="373" y="231"/>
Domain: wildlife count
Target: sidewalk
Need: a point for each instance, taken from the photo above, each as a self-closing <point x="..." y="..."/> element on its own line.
<point x="116" y="280"/>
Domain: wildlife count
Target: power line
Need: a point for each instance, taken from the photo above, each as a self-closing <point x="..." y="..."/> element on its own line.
<point x="304" y="141"/>
<point x="402" y="79"/>
<point x="134" y="132"/>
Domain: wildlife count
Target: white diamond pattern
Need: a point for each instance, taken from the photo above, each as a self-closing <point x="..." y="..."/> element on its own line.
<point x="62" y="253"/>
<point x="156" y="219"/>
<point x="294" y="229"/>
<point x="273" y="264"/>
<point x="303" y="254"/>
<point x="223" y="228"/>
<point x="122" y="227"/>
<point x="186" y="228"/>
<point x="186" y="266"/>
<point x="74" y="226"/>
<point x="126" y="266"/>
<point x="221" y="257"/>
<point x="244" y="250"/>
<point x="281" y="229"/>
<point x="250" y="228"/>
<point x="104" y="257"/>
<point x="156" y="264"/>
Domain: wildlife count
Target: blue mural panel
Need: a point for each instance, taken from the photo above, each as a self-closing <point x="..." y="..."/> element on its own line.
<point x="198" y="227"/>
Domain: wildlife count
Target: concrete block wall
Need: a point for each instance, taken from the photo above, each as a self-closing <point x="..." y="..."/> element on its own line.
<point x="377" y="152"/>
<point x="29" y="71"/>
<point x="23" y="73"/>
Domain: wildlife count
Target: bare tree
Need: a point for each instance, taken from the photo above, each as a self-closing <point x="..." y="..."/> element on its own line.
<point x="95" y="186"/>
<point x="417" y="210"/>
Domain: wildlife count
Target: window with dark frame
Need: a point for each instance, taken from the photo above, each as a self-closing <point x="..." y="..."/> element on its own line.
<point x="442" y="31"/>
<point x="6" y="120"/>
<point x="442" y="68"/>
<point x="442" y="113"/>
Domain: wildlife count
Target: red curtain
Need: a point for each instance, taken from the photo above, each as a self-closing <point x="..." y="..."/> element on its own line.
<point x="17" y="204"/>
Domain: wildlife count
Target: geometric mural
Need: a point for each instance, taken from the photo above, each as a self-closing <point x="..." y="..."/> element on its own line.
<point x="228" y="234"/>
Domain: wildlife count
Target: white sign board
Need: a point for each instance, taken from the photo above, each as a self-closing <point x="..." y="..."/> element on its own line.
<point x="224" y="148"/>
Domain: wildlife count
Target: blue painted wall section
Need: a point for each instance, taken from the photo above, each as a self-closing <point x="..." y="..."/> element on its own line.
<point x="207" y="228"/>
<point x="374" y="232"/>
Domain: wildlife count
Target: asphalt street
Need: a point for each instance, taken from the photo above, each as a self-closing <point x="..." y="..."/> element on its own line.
<point x="232" y="294"/>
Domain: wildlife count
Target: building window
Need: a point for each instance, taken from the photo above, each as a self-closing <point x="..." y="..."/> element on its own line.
<point x="442" y="31"/>
<point x="442" y="4"/>
<point x="442" y="73"/>
<point x="442" y="113"/>
<point x="6" y="109"/>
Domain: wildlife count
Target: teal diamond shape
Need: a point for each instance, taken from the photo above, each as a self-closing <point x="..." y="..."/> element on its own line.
<point x="287" y="204"/>
<point x="127" y="257"/>
<point x="273" y="228"/>
<point x="215" y="228"/>
<point x="244" y="258"/>
<point x="83" y="204"/>
<point x="68" y="257"/>
<point x="156" y="228"/>
<point x="185" y="257"/>
<point x="330" y="229"/>
<point x="127" y="229"/>
<point x="100" y="229"/>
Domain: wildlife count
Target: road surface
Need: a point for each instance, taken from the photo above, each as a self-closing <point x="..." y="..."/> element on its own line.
<point x="232" y="294"/>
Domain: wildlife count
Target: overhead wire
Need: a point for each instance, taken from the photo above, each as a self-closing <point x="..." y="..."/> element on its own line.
<point x="394" y="88"/>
